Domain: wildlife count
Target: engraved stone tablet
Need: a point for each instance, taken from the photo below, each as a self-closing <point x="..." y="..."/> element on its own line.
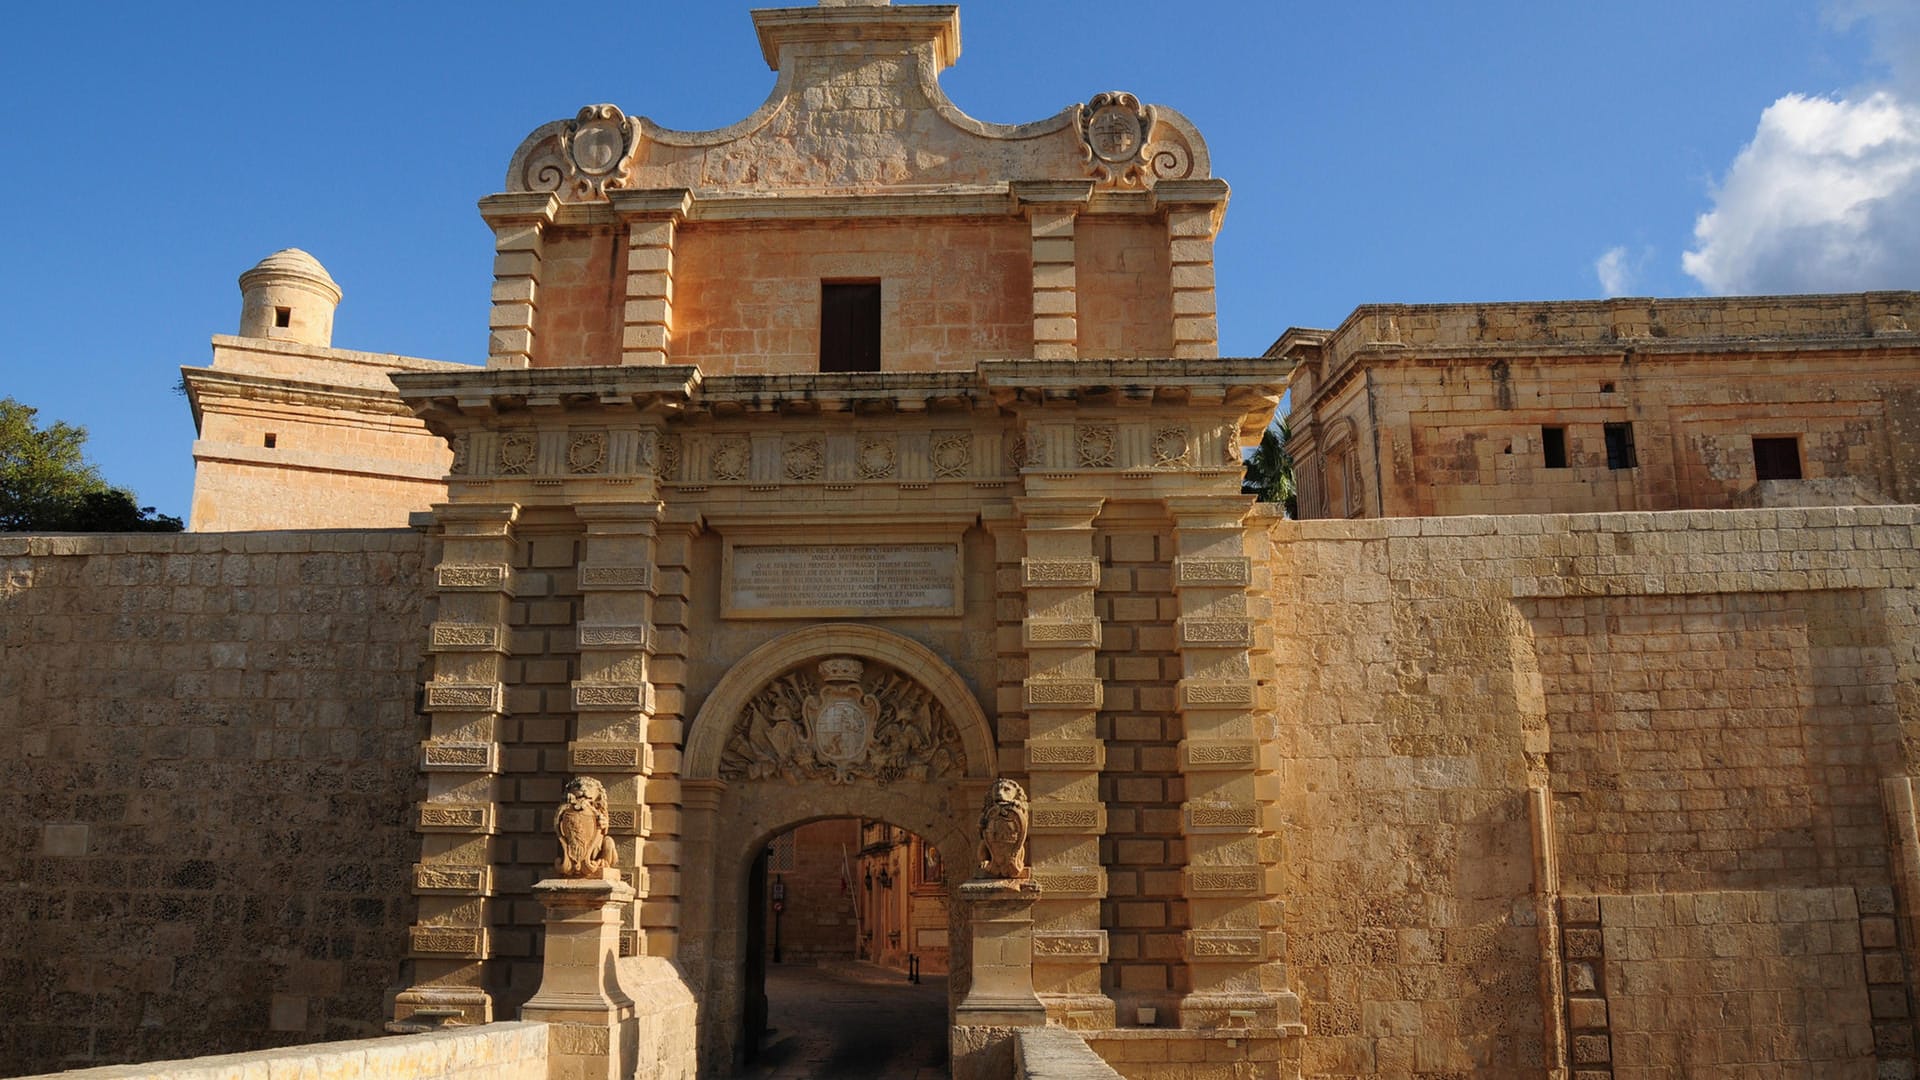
<point x="772" y="581"/>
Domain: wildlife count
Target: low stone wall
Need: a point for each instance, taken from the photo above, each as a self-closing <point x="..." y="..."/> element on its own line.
<point x="210" y="743"/>
<point x="1189" y="1054"/>
<point x="1054" y="1053"/>
<point x="493" y="1052"/>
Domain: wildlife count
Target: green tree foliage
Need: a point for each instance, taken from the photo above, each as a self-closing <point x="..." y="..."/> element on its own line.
<point x="1270" y="470"/>
<point x="47" y="484"/>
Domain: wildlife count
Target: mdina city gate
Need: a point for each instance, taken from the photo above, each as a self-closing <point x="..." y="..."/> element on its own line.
<point x="894" y="457"/>
<point x="866" y="460"/>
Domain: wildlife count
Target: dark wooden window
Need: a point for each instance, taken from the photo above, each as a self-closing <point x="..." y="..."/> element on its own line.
<point x="849" y="326"/>
<point x="1776" y="458"/>
<point x="1553" y="440"/>
<point x="1620" y="453"/>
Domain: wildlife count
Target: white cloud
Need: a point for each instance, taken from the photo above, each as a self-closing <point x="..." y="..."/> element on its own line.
<point x="1826" y="198"/>
<point x="1894" y="29"/>
<point x="1616" y="274"/>
<point x="1827" y="195"/>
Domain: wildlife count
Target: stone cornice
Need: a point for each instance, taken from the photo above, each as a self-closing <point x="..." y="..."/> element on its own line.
<point x="909" y="24"/>
<point x="1003" y="200"/>
<point x="433" y="396"/>
<point x="206" y="383"/>
<point x="1247" y="385"/>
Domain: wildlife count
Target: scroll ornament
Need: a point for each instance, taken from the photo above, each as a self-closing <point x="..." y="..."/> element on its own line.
<point x="1117" y="139"/>
<point x="590" y="155"/>
<point x="581" y="825"/>
<point x="1003" y="831"/>
<point x="841" y="723"/>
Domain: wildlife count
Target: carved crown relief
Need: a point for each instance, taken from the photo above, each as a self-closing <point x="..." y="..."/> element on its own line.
<point x="588" y="156"/>
<point x="1125" y="145"/>
<point x="839" y="721"/>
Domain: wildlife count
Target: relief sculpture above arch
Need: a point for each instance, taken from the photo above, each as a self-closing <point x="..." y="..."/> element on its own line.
<point x="840" y="720"/>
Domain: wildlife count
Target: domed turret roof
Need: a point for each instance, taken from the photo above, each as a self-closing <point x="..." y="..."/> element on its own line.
<point x="291" y="263"/>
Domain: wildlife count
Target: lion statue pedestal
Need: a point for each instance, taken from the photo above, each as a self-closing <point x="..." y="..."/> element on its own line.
<point x="999" y="906"/>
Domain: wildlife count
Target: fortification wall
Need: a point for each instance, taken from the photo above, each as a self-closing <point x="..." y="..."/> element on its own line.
<point x="1620" y="791"/>
<point x="1551" y="791"/>
<point x="211" y="745"/>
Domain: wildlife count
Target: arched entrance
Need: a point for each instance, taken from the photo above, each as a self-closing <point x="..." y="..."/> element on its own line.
<point x="845" y="973"/>
<point x="838" y="720"/>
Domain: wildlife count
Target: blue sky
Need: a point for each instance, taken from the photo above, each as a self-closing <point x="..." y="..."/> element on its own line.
<point x="1378" y="152"/>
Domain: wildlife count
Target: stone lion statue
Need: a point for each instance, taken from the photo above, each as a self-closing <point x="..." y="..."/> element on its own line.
<point x="581" y="825"/>
<point x="1003" y="831"/>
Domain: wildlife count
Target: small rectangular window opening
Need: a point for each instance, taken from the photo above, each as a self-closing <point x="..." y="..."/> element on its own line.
<point x="1776" y="458"/>
<point x="271" y="439"/>
<point x="283" y="317"/>
<point x="1620" y="453"/>
<point x="1606" y="388"/>
<point x="849" y="326"/>
<point x="1553" y="440"/>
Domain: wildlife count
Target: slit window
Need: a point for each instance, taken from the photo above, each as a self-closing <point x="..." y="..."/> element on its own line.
<point x="1776" y="458"/>
<point x="283" y="317"/>
<point x="1553" y="443"/>
<point x="849" y="326"/>
<point x="270" y="440"/>
<point x="1620" y="453"/>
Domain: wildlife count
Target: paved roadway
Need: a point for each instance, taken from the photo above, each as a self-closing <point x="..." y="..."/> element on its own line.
<point x="852" y="1022"/>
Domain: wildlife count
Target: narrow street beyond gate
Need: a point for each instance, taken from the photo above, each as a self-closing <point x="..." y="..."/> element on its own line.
<point x="851" y="1022"/>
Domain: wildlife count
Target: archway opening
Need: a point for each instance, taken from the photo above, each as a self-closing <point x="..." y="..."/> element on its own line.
<point x="847" y="954"/>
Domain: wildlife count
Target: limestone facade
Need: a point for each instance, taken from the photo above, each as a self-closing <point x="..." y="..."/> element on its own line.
<point x="1533" y="795"/>
<point x="295" y="434"/>
<point x="1595" y="406"/>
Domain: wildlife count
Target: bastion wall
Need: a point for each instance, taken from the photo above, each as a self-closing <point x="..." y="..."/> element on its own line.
<point x="210" y="744"/>
<point x="1611" y="793"/>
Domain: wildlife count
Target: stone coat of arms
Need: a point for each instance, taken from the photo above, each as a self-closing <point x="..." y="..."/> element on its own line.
<point x="841" y="717"/>
<point x="841" y="722"/>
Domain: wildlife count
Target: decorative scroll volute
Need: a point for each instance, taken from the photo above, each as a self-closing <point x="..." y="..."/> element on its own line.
<point x="586" y="157"/>
<point x="1125" y="145"/>
<point x="841" y="722"/>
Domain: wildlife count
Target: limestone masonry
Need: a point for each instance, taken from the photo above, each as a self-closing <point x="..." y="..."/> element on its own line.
<point x="850" y="503"/>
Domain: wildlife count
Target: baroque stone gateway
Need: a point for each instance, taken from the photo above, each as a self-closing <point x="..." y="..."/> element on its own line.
<point x="865" y="474"/>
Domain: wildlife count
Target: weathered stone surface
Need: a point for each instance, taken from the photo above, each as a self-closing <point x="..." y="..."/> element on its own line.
<point x="213" y="749"/>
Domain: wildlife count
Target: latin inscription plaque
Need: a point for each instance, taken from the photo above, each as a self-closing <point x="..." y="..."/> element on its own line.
<point x="772" y="581"/>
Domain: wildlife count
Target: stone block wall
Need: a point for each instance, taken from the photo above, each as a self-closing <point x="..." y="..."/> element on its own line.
<point x="1123" y="277"/>
<point x="1478" y="716"/>
<point x="1144" y="850"/>
<point x="212" y="744"/>
<point x="747" y="298"/>
<point x="583" y="283"/>
<point x="818" y="923"/>
<point x="1721" y="985"/>
<point x="1718" y="740"/>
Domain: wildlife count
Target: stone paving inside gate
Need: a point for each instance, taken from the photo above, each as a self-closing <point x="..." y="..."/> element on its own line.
<point x="851" y="1022"/>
